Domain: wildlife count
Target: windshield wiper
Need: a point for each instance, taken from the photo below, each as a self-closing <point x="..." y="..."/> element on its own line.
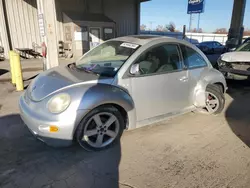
<point x="74" y="67"/>
<point x="88" y="71"/>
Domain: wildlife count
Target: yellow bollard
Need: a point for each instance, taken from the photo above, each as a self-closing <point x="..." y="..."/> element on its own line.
<point x="12" y="70"/>
<point x="18" y="71"/>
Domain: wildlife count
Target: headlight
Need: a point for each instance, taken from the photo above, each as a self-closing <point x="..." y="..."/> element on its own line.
<point x="59" y="103"/>
<point x="221" y="63"/>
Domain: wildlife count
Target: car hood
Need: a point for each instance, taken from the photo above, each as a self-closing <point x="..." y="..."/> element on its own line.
<point x="236" y="57"/>
<point x="60" y="77"/>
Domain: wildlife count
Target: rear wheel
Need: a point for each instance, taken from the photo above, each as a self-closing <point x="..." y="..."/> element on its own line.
<point x="215" y="100"/>
<point x="101" y="128"/>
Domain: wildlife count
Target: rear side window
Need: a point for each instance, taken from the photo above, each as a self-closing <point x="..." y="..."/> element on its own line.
<point x="192" y="59"/>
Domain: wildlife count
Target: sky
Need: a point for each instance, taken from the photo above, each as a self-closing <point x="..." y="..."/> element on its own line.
<point x="217" y="14"/>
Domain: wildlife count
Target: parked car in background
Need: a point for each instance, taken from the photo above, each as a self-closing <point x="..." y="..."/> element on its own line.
<point x="236" y="64"/>
<point x="123" y="83"/>
<point x="246" y="40"/>
<point x="211" y="47"/>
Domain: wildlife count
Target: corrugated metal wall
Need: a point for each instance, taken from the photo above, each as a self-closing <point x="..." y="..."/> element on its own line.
<point x="93" y="6"/>
<point x="124" y="14"/>
<point x="77" y="6"/>
<point x="1" y="44"/>
<point x="23" y="23"/>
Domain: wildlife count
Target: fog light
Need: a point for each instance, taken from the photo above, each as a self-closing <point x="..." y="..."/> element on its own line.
<point x="53" y="129"/>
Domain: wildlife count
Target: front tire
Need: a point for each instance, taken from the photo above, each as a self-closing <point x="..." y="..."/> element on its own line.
<point x="215" y="100"/>
<point x="100" y="128"/>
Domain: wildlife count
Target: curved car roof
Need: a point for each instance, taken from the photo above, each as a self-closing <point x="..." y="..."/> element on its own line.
<point x="144" y="39"/>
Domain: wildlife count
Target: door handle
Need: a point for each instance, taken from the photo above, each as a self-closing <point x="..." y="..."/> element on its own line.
<point x="184" y="79"/>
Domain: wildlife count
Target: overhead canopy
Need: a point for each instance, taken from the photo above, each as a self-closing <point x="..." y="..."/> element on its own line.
<point x="81" y="16"/>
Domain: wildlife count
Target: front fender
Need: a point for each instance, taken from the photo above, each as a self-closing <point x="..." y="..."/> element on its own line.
<point x="212" y="76"/>
<point x="101" y="94"/>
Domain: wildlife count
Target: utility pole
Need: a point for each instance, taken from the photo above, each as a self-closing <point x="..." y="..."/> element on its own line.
<point x="198" y="26"/>
<point x="48" y="31"/>
<point x="190" y="22"/>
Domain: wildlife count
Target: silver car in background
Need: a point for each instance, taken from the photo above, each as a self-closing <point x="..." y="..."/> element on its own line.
<point x="122" y="84"/>
<point x="236" y="64"/>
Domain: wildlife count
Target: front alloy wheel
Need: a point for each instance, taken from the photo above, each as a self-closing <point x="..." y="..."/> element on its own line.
<point x="215" y="100"/>
<point x="100" y="128"/>
<point x="212" y="103"/>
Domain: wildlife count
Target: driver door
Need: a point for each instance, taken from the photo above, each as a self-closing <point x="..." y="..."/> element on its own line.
<point x="162" y="84"/>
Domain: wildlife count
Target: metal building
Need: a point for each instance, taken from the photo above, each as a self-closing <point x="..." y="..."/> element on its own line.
<point x="20" y="21"/>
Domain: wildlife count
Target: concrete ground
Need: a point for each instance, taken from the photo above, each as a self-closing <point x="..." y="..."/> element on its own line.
<point x="191" y="151"/>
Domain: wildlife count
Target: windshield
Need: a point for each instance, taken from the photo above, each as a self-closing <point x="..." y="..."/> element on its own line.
<point x="107" y="58"/>
<point x="244" y="48"/>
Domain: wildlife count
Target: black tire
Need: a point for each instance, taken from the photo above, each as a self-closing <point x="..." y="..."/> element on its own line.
<point x="80" y="128"/>
<point x="217" y="91"/>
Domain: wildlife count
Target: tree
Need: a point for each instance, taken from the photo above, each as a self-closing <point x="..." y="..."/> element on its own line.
<point x="221" y="31"/>
<point x="193" y="30"/>
<point x="247" y="32"/>
<point x="196" y="31"/>
<point x="143" y="27"/>
<point x="171" y="27"/>
<point x="159" y="28"/>
<point x="200" y="30"/>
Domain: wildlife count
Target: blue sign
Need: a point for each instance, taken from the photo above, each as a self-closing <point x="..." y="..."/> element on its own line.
<point x="195" y="6"/>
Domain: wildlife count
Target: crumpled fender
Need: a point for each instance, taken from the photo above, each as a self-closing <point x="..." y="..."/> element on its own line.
<point x="199" y="97"/>
<point x="212" y="76"/>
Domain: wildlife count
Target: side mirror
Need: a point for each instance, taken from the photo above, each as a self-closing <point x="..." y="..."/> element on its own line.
<point x="135" y="69"/>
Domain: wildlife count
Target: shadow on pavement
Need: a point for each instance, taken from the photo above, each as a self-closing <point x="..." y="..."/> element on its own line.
<point x="27" y="162"/>
<point x="31" y="78"/>
<point x="3" y="71"/>
<point x="238" y="112"/>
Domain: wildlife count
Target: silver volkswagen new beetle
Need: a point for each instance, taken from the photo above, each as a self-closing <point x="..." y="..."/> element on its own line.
<point x="124" y="83"/>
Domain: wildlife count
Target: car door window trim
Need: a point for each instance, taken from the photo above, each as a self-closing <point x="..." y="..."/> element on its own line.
<point x="187" y="66"/>
<point x="129" y="75"/>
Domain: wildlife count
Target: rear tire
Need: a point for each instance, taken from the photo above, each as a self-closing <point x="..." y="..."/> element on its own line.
<point x="215" y="100"/>
<point x="100" y="128"/>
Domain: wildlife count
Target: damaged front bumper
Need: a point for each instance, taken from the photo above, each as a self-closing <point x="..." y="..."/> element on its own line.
<point x="234" y="70"/>
<point x="231" y="73"/>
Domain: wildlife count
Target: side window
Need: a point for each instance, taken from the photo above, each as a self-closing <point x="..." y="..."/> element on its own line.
<point x="192" y="59"/>
<point x="218" y="44"/>
<point x="160" y="59"/>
